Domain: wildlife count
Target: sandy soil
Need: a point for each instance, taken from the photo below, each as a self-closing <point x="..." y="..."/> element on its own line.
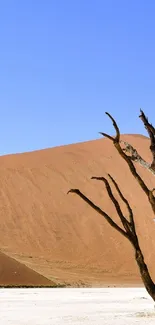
<point x="76" y="306"/>
<point x="58" y="235"/>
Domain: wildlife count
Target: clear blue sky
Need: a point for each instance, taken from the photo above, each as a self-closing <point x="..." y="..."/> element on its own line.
<point x="63" y="63"/>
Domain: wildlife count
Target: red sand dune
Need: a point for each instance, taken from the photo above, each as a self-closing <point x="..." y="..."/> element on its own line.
<point x="13" y="273"/>
<point x="58" y="235"/>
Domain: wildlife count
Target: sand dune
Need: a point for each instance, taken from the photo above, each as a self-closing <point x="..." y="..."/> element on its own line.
<point x="58" y="235"/>
<point x="14" y="273"/>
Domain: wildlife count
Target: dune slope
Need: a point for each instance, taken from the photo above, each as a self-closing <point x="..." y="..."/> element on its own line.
<point x="13" y="273"/>
<point x="57" y="234"/>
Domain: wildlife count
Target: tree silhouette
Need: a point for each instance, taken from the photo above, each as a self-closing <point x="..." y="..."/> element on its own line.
<point x="128" y="229"/>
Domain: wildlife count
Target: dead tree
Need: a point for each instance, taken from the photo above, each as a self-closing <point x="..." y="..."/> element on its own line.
<point x="128" y="229"/>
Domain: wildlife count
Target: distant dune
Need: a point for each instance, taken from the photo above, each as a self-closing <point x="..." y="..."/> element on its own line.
<point x="58" y="235"/>
<point x="13" y="273"/>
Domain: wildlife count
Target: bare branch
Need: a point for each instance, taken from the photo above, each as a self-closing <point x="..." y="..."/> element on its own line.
<point x="149" y="127"/>
<point x="107" y="136"/>
<point x="117" y="138"/>
<point x="124" y="221"/>
<point x="151" y="132"/>
<point x="136" y="157"/>
<point x="99" y="210"/>
<point x="132" y="223"/>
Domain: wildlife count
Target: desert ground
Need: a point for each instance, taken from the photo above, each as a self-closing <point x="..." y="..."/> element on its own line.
<point x="48" y="237"/>
<point x="87" y="306"/>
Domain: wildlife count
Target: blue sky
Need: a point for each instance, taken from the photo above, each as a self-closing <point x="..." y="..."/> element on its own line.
<point x="63" y="63"/>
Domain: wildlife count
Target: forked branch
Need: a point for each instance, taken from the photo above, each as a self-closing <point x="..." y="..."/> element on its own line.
<point x="128" y="225"/>
<point x="99" y="210"/>
<point x="131" y="218"/>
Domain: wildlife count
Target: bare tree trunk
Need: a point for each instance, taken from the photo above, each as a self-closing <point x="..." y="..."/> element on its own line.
<point x="143" y="269"/>
<point x="146" y="278"/>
